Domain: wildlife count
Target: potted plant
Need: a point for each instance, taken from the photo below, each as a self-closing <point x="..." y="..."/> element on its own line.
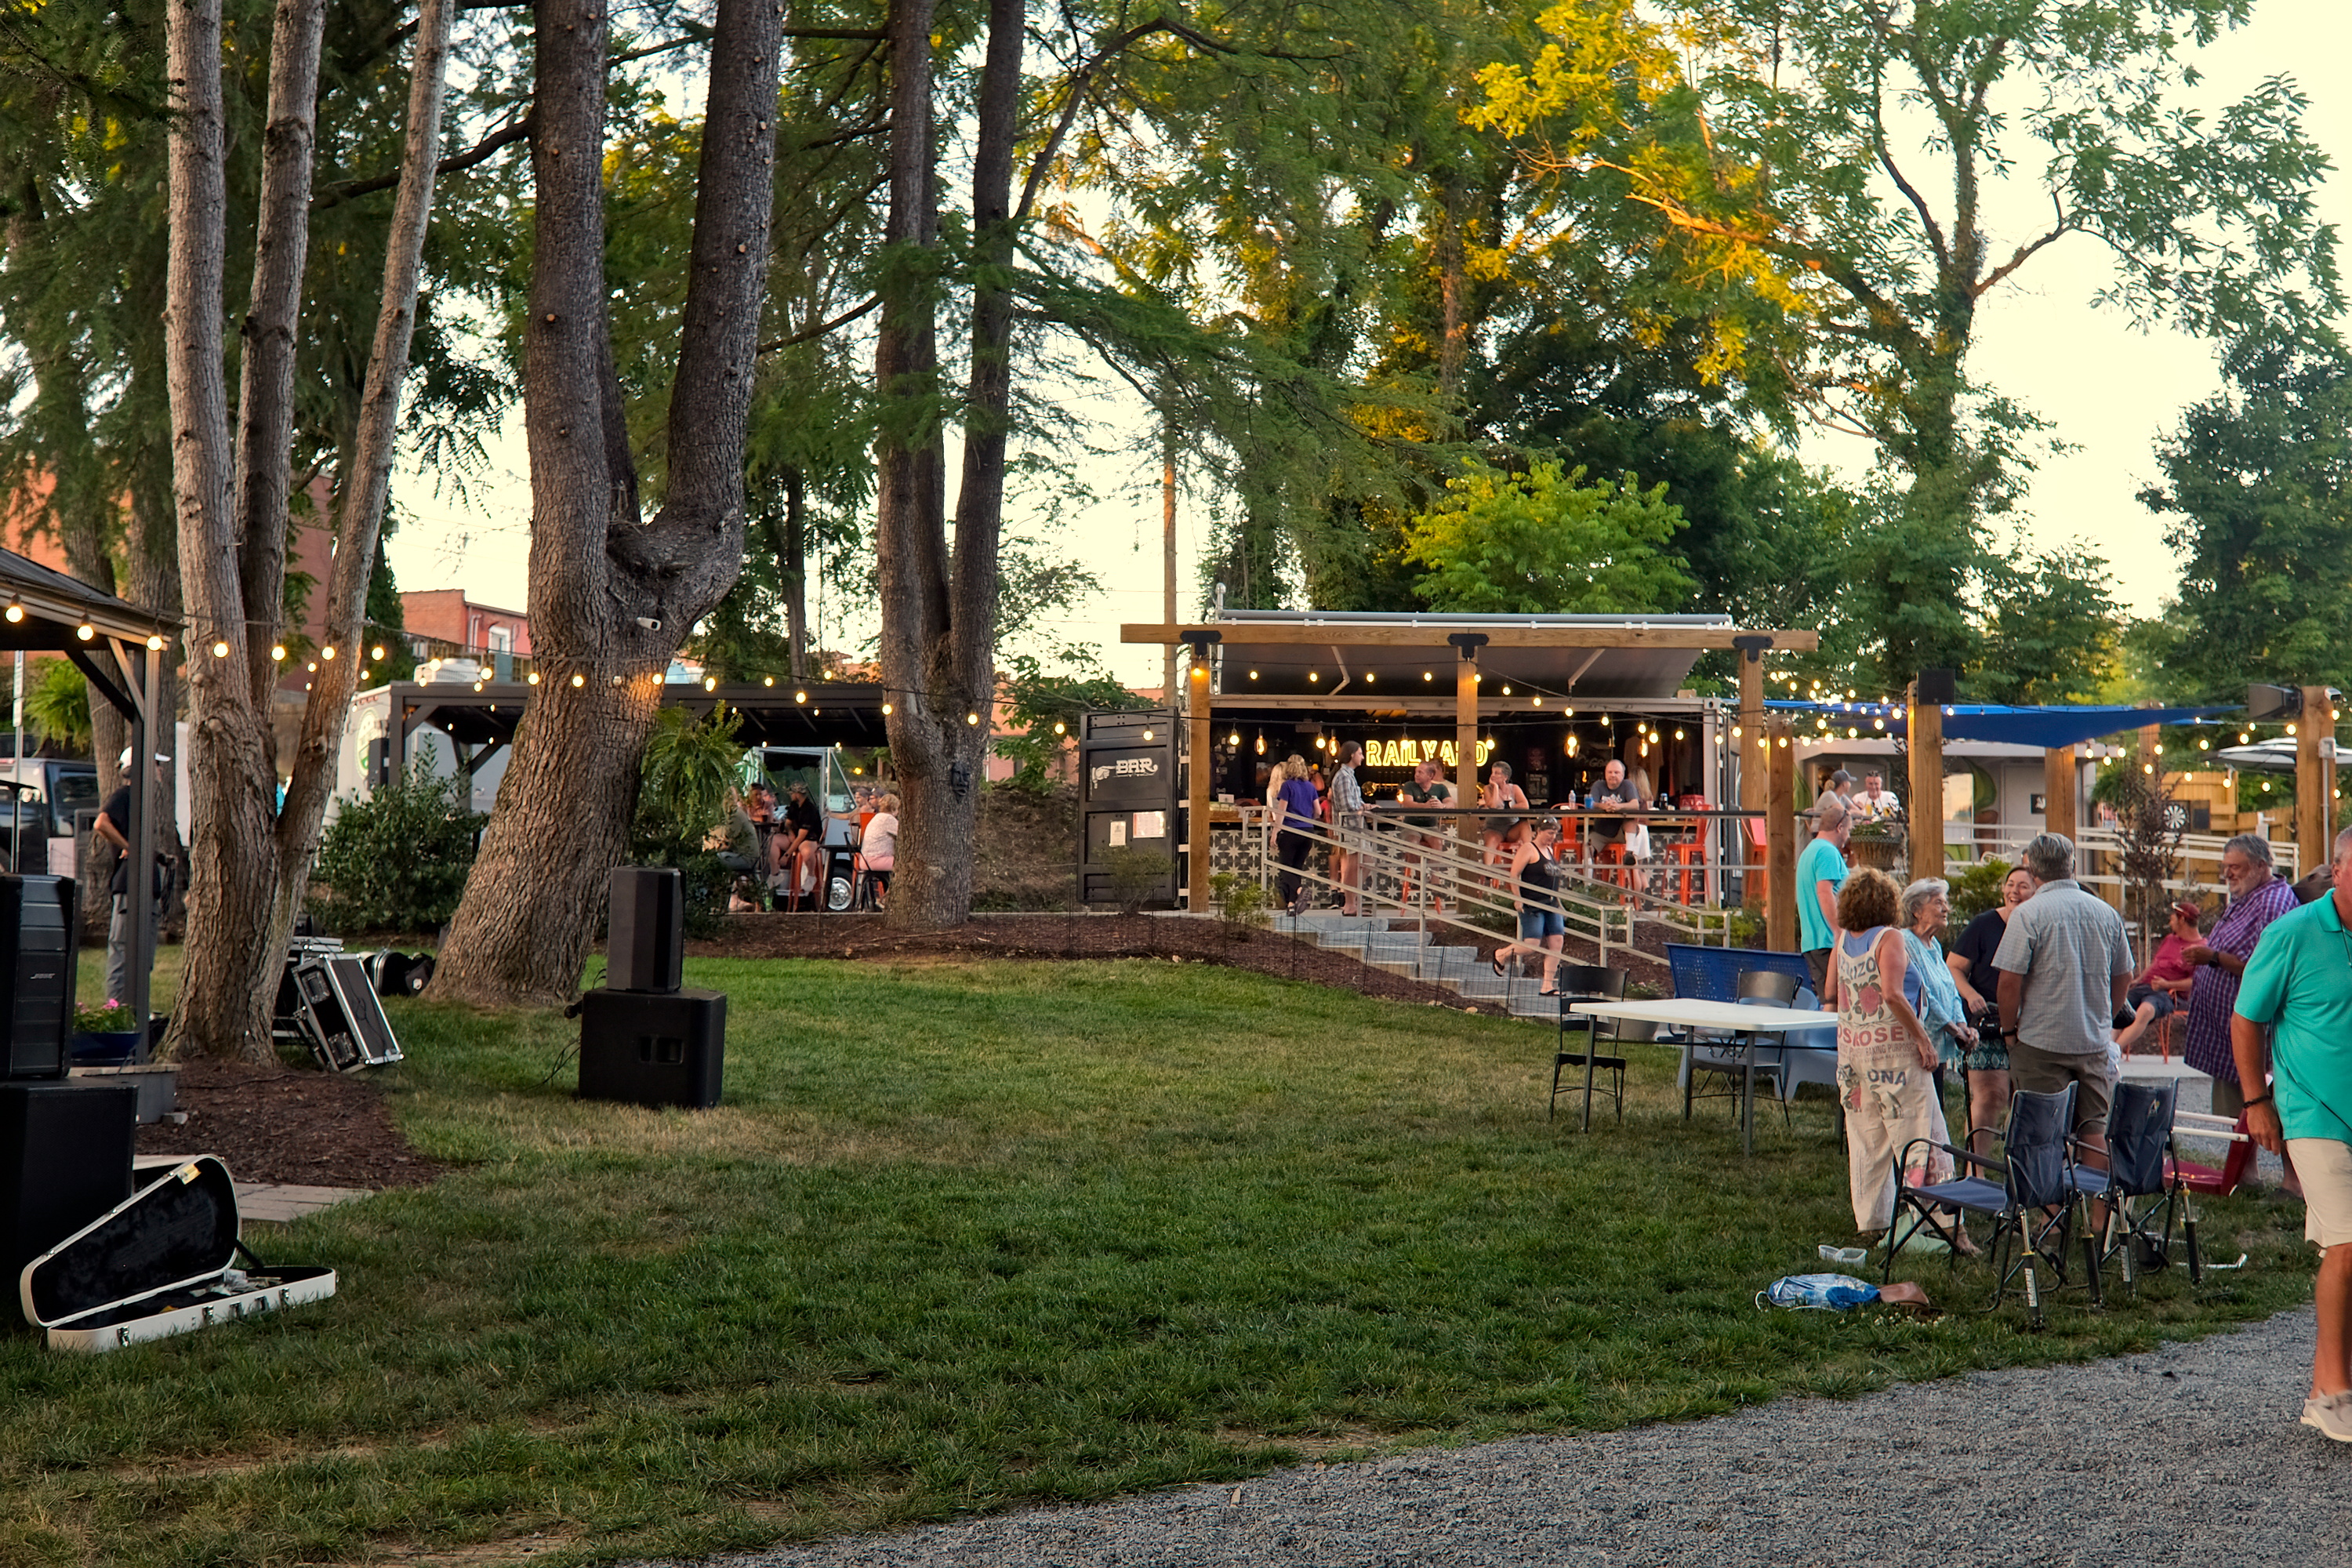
<point x="103" y="1038"/>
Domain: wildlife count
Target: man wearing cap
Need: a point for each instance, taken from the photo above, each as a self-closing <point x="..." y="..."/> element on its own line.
<point x="1821" y="872"/>
<point x="113" y="825"/>
<point x="2162" y="988"/>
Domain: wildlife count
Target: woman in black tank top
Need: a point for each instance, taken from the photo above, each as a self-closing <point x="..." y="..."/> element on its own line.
<point x="1535" y="893"/>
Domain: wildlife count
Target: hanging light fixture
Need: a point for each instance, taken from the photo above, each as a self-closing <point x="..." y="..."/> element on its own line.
<point x="1261" y="745"/>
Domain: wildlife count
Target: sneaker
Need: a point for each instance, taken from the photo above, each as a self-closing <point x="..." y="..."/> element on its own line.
<point x="2332" y="1414"/>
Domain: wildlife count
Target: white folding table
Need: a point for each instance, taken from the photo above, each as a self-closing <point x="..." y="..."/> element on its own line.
<point x="1745" y="1020"/>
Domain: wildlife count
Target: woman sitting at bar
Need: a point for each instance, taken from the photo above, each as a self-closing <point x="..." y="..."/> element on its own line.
<point x="1500" y="837"/>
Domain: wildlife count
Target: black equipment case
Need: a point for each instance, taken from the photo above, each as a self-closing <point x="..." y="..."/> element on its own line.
<point x="161" y="1262"/>
<point x="327" y="1000"/>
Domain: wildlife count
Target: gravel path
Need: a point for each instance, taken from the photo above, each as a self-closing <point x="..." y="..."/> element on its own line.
<point x="2192" y="1454"/>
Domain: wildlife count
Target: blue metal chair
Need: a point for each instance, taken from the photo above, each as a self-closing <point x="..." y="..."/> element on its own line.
<point x="2029" y="1193"/>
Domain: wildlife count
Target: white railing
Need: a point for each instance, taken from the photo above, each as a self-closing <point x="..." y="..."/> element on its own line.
<point x="2099" y="853"/>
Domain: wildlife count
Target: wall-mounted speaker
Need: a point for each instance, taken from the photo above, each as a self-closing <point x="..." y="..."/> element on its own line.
<point x="1938" y="686"/>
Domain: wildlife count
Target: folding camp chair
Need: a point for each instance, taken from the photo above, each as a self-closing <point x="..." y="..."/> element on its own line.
<point x="2029" y="1193"/>
<point x="2140" y="1194"/>
<point x="1586" y="982"/>
<point x="1764" y="988"/>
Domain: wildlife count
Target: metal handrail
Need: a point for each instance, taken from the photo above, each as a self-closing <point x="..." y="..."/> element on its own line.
<point x="1448" y="882"/>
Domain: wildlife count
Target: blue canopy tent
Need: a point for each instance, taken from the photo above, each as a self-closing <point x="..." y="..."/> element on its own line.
<point x="2048" y="727"/>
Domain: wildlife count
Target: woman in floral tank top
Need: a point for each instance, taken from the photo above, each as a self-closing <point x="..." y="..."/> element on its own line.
<point x="1885" y="1061"/>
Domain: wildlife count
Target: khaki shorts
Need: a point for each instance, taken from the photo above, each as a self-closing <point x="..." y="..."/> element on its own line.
<point x="2047" y="1072"/>
<point x="2325" y="1168"/>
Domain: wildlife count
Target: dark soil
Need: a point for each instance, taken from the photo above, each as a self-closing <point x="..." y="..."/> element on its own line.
<point x="1064" y="936"/>
<point x="270" y="1122"/>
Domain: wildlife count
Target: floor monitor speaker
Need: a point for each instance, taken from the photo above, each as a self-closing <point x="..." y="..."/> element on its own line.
<point x="645" y="949"/>
<point x="653" y="1048"/>
<point x="65" y="1160"/>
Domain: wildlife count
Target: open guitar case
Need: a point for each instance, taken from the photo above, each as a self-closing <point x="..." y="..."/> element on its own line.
<point x="165" y="1260"/>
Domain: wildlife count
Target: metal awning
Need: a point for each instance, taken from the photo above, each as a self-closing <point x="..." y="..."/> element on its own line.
<point x="1355" y="660"/>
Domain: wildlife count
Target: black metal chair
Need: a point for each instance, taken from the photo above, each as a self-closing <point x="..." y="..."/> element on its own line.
<point x="2142" y="1198"/>
<point x="1763" y="988"/>
<point x="1588" y="983"/>
<point x="2029" y="1193"/>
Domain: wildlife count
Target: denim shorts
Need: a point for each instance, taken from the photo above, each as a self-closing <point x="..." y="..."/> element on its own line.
<point x="1536" y="924"/>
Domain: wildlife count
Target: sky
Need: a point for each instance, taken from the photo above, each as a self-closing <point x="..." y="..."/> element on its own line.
<point x="2110" y="390"/>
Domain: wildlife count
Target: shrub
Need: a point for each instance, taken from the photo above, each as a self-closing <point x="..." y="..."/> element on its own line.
<point x="1977" y="889"/>
<point x="1137" y="876"/>
<point x="398" y="860"/>
<point x="1241" y="905"/>
<point x="686" y="791"/>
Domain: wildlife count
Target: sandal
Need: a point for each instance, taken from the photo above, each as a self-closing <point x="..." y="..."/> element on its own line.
<point x="1500" y="973"/>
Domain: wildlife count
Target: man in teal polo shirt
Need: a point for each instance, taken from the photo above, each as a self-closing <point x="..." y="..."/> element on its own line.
<point x="1821" y="872"/>
<point x="2300" y="979"/>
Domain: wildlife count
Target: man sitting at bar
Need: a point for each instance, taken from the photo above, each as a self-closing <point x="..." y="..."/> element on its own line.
<point x="1877" y="802"/>
<point x="1615" y="794"/>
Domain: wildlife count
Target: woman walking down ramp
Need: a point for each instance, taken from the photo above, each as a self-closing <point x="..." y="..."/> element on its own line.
<point x="1886" y="1060"/>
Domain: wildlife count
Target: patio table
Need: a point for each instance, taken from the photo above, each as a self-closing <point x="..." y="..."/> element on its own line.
<point x="1745" y="1020"/>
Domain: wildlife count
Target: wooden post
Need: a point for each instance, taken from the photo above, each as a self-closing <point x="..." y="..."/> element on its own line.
<point x="2315" y="779"/>
<point x="1167" y="542"/>
<point x="1781" y="834"/>
<point x="1754" y="767"/>
<point x="1465" y="748"/>
<point x="2060" y="784"/>
<point x="1197" y="782"/>
<point x="1926" y="730"/>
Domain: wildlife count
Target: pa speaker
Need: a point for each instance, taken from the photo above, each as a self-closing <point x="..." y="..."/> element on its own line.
<point x="1938" y="687"/>
<point x="37" y="922"/>
<point x="645" y="946"/>
<point x="65" y="1160"/>
<point x="653" y="1048"/>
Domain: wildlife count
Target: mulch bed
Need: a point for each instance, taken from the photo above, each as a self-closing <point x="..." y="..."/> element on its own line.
<point x="270" y="1122"/>
<point x="1049" y="936"/>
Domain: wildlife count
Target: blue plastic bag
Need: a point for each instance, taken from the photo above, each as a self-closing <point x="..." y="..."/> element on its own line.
<point x="1818" y="1292"/>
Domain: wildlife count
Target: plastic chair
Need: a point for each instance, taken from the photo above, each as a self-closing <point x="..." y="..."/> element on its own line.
<point x="1586" y="982"/>
<point x="2029" y="1193"/>
<point x="2236" y="1165"/>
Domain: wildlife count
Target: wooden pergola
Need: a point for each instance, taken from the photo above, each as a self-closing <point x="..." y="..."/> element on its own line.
<point x="120" y="648"/>
<point x="1565" y="656"/>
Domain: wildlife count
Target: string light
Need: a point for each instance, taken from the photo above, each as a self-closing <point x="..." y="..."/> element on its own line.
<point x="277" y="652"/>
<point x="220" y="650"/>
<point x="578" y="681"/>
<point x="155" y="644"/>
<point x="1060" y="727"/>
<point x="85" y="631"/>
<point x="886" y="710"/>
<point x="376" y="653"/>
<point x="328" y="651"/>
<point x="799" y="696"/>
<point x="1234" y="739"/>
<point x="710" y="683"/>
<point x="768" y="680"/>
<point x="974" y="719"/>
<point x="534" y="678"/>
<point x="15" y="611"/>
<point x="1146" y="735"/>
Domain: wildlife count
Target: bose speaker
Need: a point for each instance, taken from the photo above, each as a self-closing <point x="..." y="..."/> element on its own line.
<point x="38" y="922"/>
<point x="1938" y="687"/>
<point x="645" y="948"/>
<point x="65" y="1160"/>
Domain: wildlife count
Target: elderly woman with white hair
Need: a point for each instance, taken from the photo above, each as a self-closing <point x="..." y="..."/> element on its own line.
<point x="1927" y="984"/>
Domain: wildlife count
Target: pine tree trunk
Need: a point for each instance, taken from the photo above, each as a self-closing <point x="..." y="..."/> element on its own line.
<point x="611" y="597"/>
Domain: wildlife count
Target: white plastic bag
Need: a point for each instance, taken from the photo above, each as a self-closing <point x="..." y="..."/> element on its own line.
<point x="1637" y="842"/>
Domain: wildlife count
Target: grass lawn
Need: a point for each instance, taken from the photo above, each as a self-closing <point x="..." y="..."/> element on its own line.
<point x="970" y="1235"/>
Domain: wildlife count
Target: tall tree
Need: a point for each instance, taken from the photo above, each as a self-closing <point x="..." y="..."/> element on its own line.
<point x="613" y="594"/>
<point x="1853" y="149"/>
<point x="2257" y="498"/>
<point x="250" y="861"/>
